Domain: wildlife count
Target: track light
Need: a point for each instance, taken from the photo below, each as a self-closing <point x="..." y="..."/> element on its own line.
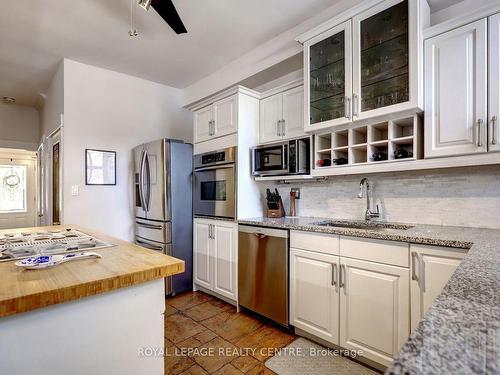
<point x="144" y="4"/>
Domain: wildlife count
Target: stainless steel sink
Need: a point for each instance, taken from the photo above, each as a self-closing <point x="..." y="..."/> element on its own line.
<point x="361" y="225"/>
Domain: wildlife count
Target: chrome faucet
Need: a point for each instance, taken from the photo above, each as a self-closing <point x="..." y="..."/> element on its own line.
<point x="369" y="214"/>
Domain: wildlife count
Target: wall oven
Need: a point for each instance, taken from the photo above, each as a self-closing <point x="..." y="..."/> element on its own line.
<point x="215" y="183"/>
<point x="284" y="158"/>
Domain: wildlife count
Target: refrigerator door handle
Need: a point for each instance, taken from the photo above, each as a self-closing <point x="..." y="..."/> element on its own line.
<point x="149" y="245"/>
<point x="147" y="201"/>
<point x="141" y="180"/>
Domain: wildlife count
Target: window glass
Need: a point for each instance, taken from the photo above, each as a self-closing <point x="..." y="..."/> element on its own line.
<point x="13" y="188"/>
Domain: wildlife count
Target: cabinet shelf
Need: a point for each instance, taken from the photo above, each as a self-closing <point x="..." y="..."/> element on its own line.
<point x="403" y="140"/>
<point x="327" y="65"/>
<point x="385" y="79"/>
<point x="379" y="142"/>
<point x="386" y="41"/>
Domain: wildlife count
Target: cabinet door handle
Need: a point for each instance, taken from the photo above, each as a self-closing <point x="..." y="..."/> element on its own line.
<point x="355" y="105"/>
<point x="213" y="232"/>
<point x="494" y="130"/>
<point x="278" y="127"/>
<point x="334" y="274"/>
<point x="342" y="276"/>
<point x="210" y="127"/>
<point x="283" y="128"/>
<point x="414" y="276"/>
<point x="348" y="107"/>
<point x="479" y="132"/>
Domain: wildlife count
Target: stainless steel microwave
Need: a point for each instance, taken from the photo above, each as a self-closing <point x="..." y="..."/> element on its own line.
<point x="284" y="158"/>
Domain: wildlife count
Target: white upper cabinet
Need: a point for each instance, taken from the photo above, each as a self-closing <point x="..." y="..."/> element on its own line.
<point x="328" y="78"/>
<point x="203" y="124"/>
<point x="368" y="66"/>
<point x="282" y="115"/>
<point x="271" y="110"/>
<point x="385" y="40"/>
<point x="431" y="268"/>
<point x="216" y="120"/>
<point x="494" y="83"/>
<point x="226" y="116"/>
<point x="293" y="113"/>
<point x="455" y="91"/>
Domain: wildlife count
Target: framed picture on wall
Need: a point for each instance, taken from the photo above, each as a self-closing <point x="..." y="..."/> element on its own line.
<point x="100" y="167"/>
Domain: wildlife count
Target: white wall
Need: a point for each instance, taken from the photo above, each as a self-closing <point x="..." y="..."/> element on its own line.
<point x="53" y="105"/>
<point x="112" y="111"/>
<point x="19" y="127"/>
<point x="457" y="197"/>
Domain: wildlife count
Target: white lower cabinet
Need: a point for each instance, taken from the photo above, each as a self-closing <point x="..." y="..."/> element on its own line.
<point x="431" y="268"/>
<point x="215" y="250"/>
<point x="364" y="294"/>
<point x="314" y="302"/>
<point x="374" y="308"/>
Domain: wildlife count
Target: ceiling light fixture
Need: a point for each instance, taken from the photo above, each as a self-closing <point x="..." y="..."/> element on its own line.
<point x="8" y="100"/>
<point x="145" y="4"/>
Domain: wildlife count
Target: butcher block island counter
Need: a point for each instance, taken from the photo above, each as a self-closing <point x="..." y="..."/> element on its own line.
<point x="99" y="315"/>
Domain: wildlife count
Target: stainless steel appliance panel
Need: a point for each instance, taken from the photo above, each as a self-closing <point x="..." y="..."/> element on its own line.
<point x="270" y="160"/>
<point x="284" y="158"/>
<point x="215" y="183"/>
<point x="263" y="272"/>
<point x="157" y="176"/>
<point x="139" y="161"/>
<point x="181" y="176"/>
<point x="164" y="249"/>
<point x="153" y="230"/>
<point x="163" y="200"/>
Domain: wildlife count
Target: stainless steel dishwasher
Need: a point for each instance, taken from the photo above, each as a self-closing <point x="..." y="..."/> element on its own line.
<point x="263" y="272"/>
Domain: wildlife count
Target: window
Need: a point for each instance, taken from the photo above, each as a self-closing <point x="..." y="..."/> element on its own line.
<point x="13" y="188"/>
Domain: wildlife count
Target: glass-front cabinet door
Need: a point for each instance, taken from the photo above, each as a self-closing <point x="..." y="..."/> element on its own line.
<point x="381" y="59"/>
<point x="328" y="62"/>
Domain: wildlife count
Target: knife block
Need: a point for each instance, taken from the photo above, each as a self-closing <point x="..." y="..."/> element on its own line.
<point x="276" y="213"/>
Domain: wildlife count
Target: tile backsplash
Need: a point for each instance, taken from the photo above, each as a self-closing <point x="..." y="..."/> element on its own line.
<point x="457" y="196"/>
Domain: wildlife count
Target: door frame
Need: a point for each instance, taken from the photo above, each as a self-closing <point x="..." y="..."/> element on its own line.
<point x="48" y="142"/>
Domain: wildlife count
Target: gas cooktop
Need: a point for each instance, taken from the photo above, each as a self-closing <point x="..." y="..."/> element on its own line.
<point x="23" y="245"/>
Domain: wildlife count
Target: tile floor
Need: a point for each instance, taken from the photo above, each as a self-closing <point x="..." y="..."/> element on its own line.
<point x="197" y="324"/>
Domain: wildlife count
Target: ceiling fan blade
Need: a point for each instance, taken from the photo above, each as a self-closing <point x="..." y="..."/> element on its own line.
<point x="167" y="11"/>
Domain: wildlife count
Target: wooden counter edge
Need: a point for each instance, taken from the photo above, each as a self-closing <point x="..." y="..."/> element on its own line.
<point x="31" y="302"/>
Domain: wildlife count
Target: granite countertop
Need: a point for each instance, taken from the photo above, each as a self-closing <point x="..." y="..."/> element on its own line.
<point x="122" y="265"/>
<point x="460" y="333"/>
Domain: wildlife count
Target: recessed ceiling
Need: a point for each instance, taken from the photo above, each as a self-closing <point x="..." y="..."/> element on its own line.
<point x="35" y="35"/>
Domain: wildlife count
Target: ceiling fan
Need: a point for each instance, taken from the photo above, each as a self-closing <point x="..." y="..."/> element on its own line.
<point x="167" y="11"/>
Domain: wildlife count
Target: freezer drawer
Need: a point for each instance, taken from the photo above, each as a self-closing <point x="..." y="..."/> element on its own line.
<point x="263" y="272"/>
<point x="160" y="247"/>
<point x="153" y="230"/>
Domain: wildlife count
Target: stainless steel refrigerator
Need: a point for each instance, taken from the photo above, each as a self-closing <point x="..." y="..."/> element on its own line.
<point x="164" y="204"/>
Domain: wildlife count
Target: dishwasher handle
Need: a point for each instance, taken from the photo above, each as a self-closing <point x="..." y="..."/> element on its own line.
<point x="262" y="231"/>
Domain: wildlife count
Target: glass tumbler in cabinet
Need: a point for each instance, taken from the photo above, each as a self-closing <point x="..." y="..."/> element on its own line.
<point x="328" y="76"/>
<point x="381" y="59"/>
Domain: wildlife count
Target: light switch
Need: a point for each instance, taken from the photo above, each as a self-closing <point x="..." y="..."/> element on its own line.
<point x="74" y="190"/>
